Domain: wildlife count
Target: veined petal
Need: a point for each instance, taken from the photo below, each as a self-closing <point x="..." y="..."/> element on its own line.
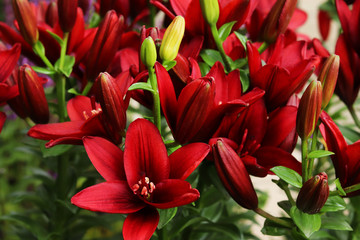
<point x="56" y="130"/>
<point x="184" y="160"/>
<point x="109" y="197"/>
<point x="141" y="225"/>
<point x="2" y="120"/>
<point x="106" y="157"/>
<point x="145" y="153"/>
<point x="173" y="193"/>
<point x="8" y="60"/>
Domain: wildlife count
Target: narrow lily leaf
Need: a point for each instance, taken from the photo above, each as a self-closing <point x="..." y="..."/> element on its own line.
<point x="169" y="64"/>
<point x="165" y="216"/>
<point x="323" y="235"/>
<point x="333" y="204"/>
<point x="319" y="154"/>
<point x="56" y="37"/>
<point x="43" y="70"/>
<point x="244" y="78"/>
<point x="141" y="85"/>
<point x="273" y="229"/>
<point x="335" y="223"/>
<point x="73" y="91"/>
<point x="211" y="56"/>
<point x="39" y="48"/>
<point x="339" y="187"/>
<point x="288" y="175"/>
<point x="349" y="133"/>
<point x="54" y="151"/>
<point x="69" y="62"/>
<point x="204" y="68"/>
<point x="184" y="223"/>
<point x="242" y="39"/>
<point x="307" y="223"/>
<point x="224" y="30"/>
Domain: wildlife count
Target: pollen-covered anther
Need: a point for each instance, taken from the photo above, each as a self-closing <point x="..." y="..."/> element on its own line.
<point x="144" y="187"/>
<point x="85" y="115"/>
<point x="152" y="187"/>
<point x="96" y="111"/>
<point x="135" y="188"/>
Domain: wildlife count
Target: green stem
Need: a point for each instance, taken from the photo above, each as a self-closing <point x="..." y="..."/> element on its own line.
<point x="156" y="98"/>
<point x="172" y="144"/>
<point x="313" y="148"/>
<point x="354" y="116"/>
<point x="263" y="47"/>
<point x="220" y="47"/>
<point x="63" y="50"/>
<point x="41" y="54"/>
<point x="87" y="88"/>
<point x="352" y="188"/>
<point x="288" y="194"/>
<point x="304" y="162"/>
<point x="272" y="218"/>
<point x="60" y="93"/>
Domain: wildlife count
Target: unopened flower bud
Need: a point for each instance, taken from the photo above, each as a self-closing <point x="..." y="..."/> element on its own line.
<point x="172" y="39"/>
<point x="26" y="19"/>
<point x="210" y="11"/>
<point x="67" y="11"/>
<point x="148" y="52"/>
<point x="111" y="100"/>
<point x="328" y="77"/>
<point x="313" y="194"/>
<point x="309" y="110"/>
<point x="277" y="20"/>
<point x="32" y="95"/>
<point x="51" y="16"/>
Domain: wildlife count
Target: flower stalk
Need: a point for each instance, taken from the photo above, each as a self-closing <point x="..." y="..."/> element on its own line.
<point x="272" y="218"/>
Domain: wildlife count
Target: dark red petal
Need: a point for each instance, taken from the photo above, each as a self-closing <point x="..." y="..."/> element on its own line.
<point x="8" y="60"/>
<point x="145" y="153"/>
<point x="109" y="197"/>
<point x="269" y="157"/>
<point x="253" y="59"/>
<point x="173" y="193"/>
<point x="106" y="157"/>
<point x="168" y="100"/>
<point x="56" y="130"/>
<point x="141" y="225"/>
<point x="77" y="106"/>
<point x="353" y="151"/>
<point x="180" y="6"/>
<point x="2" y="120"/>
<point x="184" y="160"/>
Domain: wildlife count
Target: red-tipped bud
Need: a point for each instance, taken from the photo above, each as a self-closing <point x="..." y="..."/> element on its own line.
<point x="105" y="45"/>
<point x="313" y="194"/>
<point x="67" y="11"/>
<point x="26" y="19"/>
<point x="309" y="110"/>
<point x="111" y="100"/>
<point x="210" y="11"/>
<point x="51" y="16"/>
<point x="328" y="77"/>
<point x="32" y="95"/>
<point x="172" y="39"/>
<point x="277" y="20"/>
<point x="234" y="176"/>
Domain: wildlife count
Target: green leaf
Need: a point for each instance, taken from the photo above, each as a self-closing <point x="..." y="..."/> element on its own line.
<point x="339" y="187"/>
<point x="165" y="216"/>
<point x="323" y="235"/>
<point x="288" y="175"/>
<point x="319" y="154"/>
<point x="74" y="91"/>
<point x="350" y="133"/>
<point x="242" y="39"/>
<point x="245" y="81"/>
<point x="228" y="231"/>
<point x="333" y="204"/>
<point x="141" y="85"/>
<point x="285" y="205"/>
<point x="69" y="62"/>
<point x="224" y="30"/>
<point x="307" y="223"/>
<point x="211" y="56"/>
<point x="273" y="229"/>
<point x="335" y="223"/>
<point x="54" y="151"/>
<point x="169" y="64"/>
<point x="56" y="37"/>
<point x="204" y="68"/>
<point x="43" y="70"/>
<point x="184" y="223"/>
<point x="39" y="48"/>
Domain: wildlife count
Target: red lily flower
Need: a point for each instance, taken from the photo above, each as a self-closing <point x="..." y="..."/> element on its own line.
<point x="285" y="73"/>
<point x="188" y="116"/>
<point x="86" y="120"/>
<point x="2" y="120"/>
<point x="140" y="179"/>
<point x="346" y="159"/>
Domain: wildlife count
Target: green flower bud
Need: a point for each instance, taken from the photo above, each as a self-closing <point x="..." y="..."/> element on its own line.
<point x="328" y="77"/>
<point x="210" y="11"/>
<point x="172" y="39"/>
<point x="148" y="52"/>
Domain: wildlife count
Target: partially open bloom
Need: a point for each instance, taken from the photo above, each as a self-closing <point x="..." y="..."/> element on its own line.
<point x="313" y="194"/>
<point x="172" y="39"/>
<point x="140" y="179"/>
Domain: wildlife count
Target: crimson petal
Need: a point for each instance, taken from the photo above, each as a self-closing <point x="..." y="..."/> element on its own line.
<point x="78" y="106"/>
<point x="145" y="153"/>
<point x="2" y="120"/>
<point x="109" y="197"/>
<point x="106" y="157"/>
<point x="184" y="160"/>
<point x="8" y="60"/>
<point x="141" y="225"/>
<point x="173" y="193"/>
<point x="56" y="130"/>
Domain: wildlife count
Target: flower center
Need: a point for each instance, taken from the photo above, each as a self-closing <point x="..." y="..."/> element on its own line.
<point x="144" y="188"/>
<point x="247" y="146"/>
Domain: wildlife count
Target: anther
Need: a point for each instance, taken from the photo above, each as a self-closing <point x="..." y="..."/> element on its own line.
<point x="144" y="191"/>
